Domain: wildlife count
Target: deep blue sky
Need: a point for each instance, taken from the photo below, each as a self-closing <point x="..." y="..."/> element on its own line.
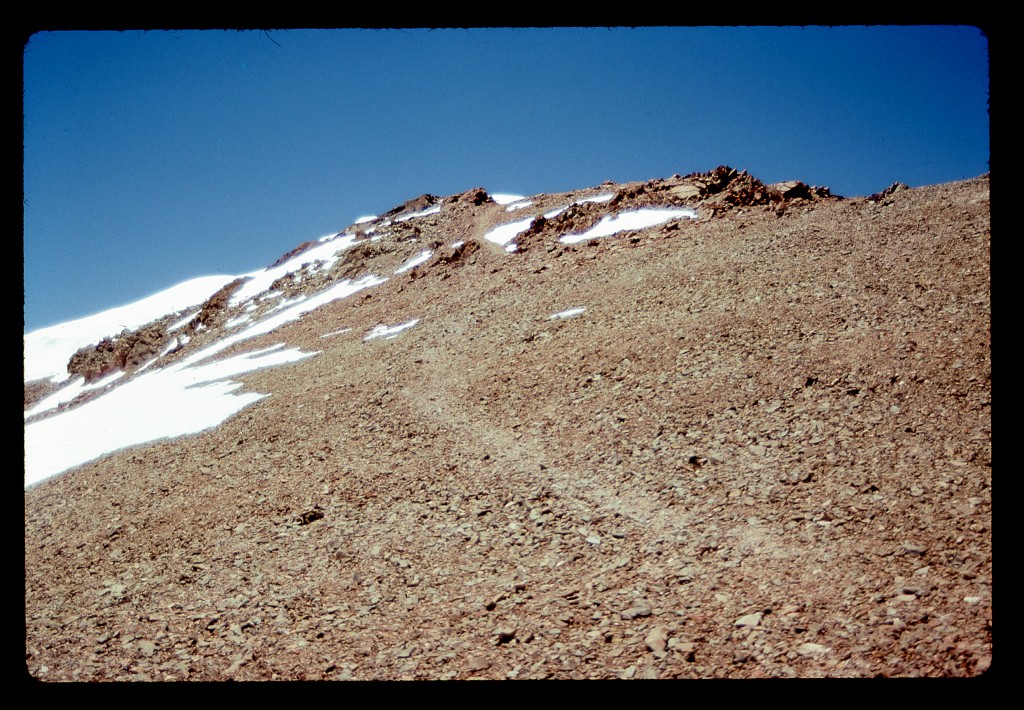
<point x="154" y="157"/>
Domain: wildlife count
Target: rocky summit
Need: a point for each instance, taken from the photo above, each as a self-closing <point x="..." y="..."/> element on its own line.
<point x="748" y="437"/>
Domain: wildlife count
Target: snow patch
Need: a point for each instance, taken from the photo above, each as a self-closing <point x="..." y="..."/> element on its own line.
<point x="335" y="332"/>
<point x="169" y="402"/>
<point x="183" y="322"/>
<point x="186" y="397"/>
<point x="597" y="198"/>
<point x="234" y="322"/>
<point x="415" y="261"/>
<point x="507" y="232"/>
<point x="388" y="332"/>
<point x="628" y="221"/>
<point x="423" y="213"/>
<point x="69" y="391"/>
<point x="567" y="313"/>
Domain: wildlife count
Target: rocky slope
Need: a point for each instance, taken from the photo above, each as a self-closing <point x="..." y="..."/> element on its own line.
<point x="762" y="450"/>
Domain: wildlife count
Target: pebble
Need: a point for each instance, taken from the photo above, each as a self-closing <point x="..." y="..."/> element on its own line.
<point x="749" y="620"/>
<point x="649" y="673"/>
<point x="505" y="634"/>
<point x="686" y="648"/>
<point x="638" y="610"/>
<point x="811" y="649"/>
<point x="657" y="639"/>
<point x="478" y="663"/>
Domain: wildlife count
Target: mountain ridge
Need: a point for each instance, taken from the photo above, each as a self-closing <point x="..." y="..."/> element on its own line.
<point x="722" y="188"/>
<point x="763" y="448"/>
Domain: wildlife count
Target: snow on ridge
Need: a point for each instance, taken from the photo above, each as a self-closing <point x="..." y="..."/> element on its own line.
<point x="48" y="350"/>
<point x="503" y="198"/>
<point x="596" y="198"/>
<point x="628" y="221"/>
<point x="507" y="232"/>
<point x="340" y="290"/>
<point x="260" y="281"/>
<point x="422" y="213"/>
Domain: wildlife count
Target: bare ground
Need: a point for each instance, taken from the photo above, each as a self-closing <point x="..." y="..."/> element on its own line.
<point x="764" y="450"/>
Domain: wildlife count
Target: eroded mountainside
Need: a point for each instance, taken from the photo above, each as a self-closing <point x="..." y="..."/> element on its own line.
<point x="762" y="450"/>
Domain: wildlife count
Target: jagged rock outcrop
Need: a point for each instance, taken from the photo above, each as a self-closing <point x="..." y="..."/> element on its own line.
<point x="125" y="352"/>
<point x="212" y="310"/>
<point x="475" y="197"/>
<point x="417" y="204"/>
<point x="289" y="255"/>
<point x="891" y="190"/>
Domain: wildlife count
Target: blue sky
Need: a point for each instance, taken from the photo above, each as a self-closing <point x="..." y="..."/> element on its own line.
<point x="155" y="157"/>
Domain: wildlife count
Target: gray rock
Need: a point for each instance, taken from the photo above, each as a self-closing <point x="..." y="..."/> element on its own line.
<point x="649" y="673"/>
<point x="478" y="663"/>
<point x="638" y="610"/>
<point x="749" y="620"/>
<point x="812" y="649"/>
<point x="657" y="639"/>
<point x="687" y="649"/>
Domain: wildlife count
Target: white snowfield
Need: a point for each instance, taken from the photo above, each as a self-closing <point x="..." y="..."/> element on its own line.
<point x="168" y="402"/>
<point x="197" y="392"/>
